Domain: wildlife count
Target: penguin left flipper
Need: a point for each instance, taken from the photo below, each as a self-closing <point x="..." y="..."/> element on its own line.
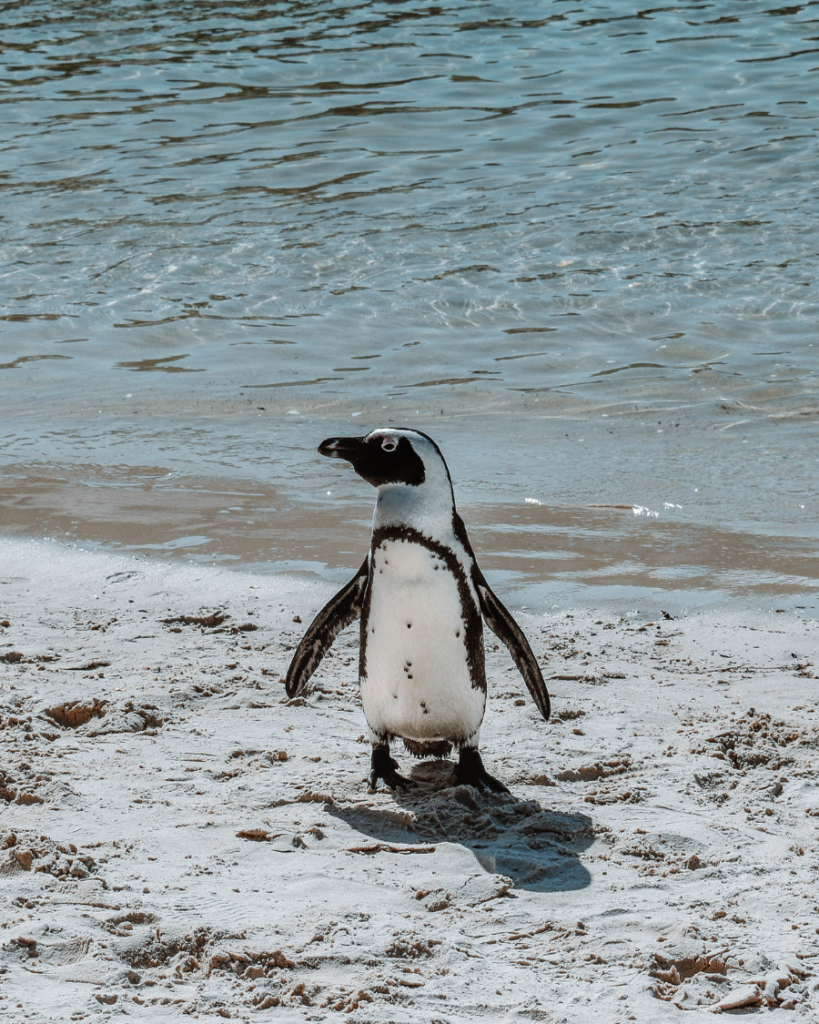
<point x="336" y="615"/>
<point x="506" y="629"/>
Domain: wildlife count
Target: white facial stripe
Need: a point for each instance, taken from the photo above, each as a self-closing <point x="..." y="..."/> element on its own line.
<point x="384" y="433"/>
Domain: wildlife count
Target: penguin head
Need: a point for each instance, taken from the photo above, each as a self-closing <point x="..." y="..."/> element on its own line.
<point x="389" y="456"/>
<point x="414" y="487"/>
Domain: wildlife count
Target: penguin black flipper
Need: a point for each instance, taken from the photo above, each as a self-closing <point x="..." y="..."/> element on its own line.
<point x="336" y="615"/>
<point x="506" y="629"/>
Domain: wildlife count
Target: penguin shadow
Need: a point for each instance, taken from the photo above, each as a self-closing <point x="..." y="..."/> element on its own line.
<point x="538" y="848"/>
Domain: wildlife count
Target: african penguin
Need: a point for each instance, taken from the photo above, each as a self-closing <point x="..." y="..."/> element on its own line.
<point x="420" y="595"/>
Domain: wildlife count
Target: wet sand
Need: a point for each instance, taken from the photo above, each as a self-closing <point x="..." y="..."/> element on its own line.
<point x="179" y="840"/>
<point x="650" y="509"/>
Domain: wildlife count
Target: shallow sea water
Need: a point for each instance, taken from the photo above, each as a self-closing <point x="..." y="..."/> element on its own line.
<point x="576" y="243"/>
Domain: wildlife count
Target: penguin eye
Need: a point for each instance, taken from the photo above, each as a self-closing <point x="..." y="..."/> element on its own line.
<point x="389" y="444"/>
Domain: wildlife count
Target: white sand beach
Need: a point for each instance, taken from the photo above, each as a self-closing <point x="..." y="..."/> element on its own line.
<point x="180" y="841"/>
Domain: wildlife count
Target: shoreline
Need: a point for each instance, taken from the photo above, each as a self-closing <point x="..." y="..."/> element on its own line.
<point x="230" y="862"/>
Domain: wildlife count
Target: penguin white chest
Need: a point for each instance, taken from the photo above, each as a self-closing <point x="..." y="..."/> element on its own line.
<point x="416" y="681"/>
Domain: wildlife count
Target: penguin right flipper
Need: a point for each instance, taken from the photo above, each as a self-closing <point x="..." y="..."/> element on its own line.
<point x="336" y="615"/>
<point x="506" y="629"/>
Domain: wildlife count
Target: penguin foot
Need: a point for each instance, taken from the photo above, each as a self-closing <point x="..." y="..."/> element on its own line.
<point x="471" y="772"/>
<point x="382" y="766"/>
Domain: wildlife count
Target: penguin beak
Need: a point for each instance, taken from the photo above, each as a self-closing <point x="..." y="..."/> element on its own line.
<point x="349" y="448"/>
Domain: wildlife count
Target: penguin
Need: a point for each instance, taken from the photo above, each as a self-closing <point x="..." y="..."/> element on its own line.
<point x="420" y="597"/>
